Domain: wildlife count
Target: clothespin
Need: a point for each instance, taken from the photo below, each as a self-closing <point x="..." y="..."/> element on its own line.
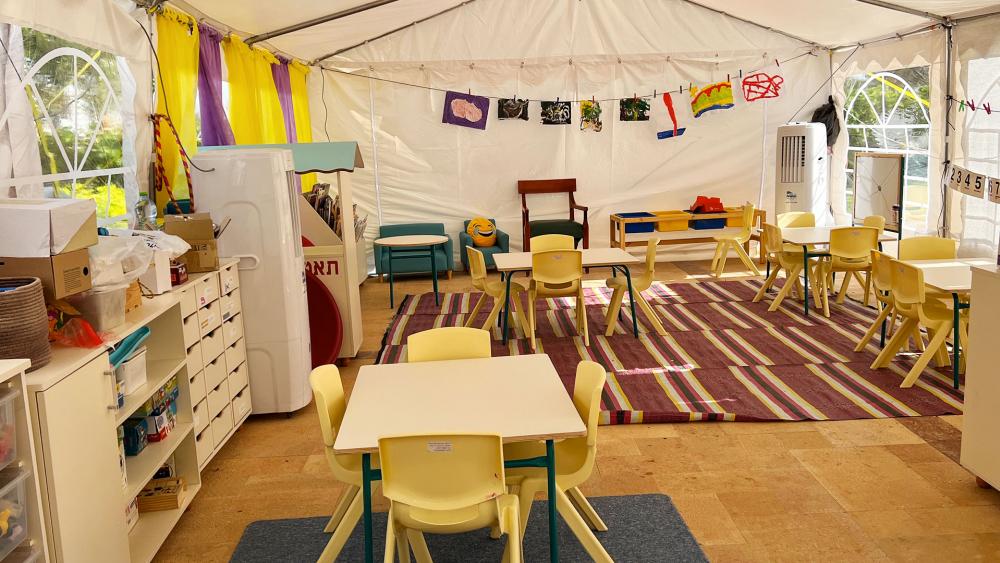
<point x="728" y="77"/>
<point x="593" y="100"/>
<point x="634" y="97"/>
<point x="961" y="105"/>
<point x="971" y="104"/>
<point x="470" y="91"/>
<point x="557" y="99"/>
<point x="987" y="109"/>
<point x="741" y="74"/>
<point x="776" y="63"/>
<point x="654" y="93"/>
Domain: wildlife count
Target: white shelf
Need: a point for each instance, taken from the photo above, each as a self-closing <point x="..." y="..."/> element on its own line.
<point x="153" y="528"/>
<point x="158" y="372"/>
<point x="140" y="468"/>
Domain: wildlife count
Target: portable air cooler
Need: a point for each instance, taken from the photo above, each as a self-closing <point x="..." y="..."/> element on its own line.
<point x="801" y="178"/>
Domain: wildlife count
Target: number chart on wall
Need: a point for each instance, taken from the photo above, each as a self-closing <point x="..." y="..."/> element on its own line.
<point x="878" y="188"/>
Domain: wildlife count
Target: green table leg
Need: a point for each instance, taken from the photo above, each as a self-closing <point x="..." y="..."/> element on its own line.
<point x="956" y="347"/>
<point x="506" y="304"/>
<point x="631" y="300"/>
<point x="434" y="275"/>
<point x="550" y="468"/>
<point x="366" y="492"/>
<point x="805" y="271"/>
<point x="392" y="302"/>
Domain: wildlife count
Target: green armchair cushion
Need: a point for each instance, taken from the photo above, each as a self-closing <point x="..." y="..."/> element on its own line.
<point x="556" y="227"/>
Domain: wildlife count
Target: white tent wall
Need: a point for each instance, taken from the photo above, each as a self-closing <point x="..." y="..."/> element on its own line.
<point x="926" y="49"/>
<point x="976" y="137"/>
<point x="429" y="171"/>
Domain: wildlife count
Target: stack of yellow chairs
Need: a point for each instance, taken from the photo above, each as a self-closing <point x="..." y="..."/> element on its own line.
<point x="494" y="289"/>
<point x="640" y="283"/>
<point x="735" y="242"/>
<point x="445" y="484"/>
<point x="448" y="343"/>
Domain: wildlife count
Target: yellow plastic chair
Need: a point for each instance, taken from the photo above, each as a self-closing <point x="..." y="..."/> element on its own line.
<point x="640" y="283"/>
<point x="544" y="243"/>
<point x="928" y="248"/>
<point x="795" y="219"/>
<point x="328" y="392"/>
<point x="850" y="253"/>
<point x="491" y="288"/>
<point x="445" y="484"/>
<point x="787" y="257"/>
<point x="557" y="273"/>
<point x="723" y="243"/>
<point x="911" y="302"/>
<point x="575" y="458"/>
<point x="881" y="277"/>
<point x="448" y="343"/>
<point x="876" y="221"/>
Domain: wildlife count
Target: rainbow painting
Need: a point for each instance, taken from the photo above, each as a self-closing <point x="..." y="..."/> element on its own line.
<point x="711" y="97"/>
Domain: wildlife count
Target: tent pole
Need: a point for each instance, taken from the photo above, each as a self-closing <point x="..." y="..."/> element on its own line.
<point x="316" y="21"/>
<point x="374" y="124"/>
<point x="949" y="56"/>
<point x="905" y="10"/>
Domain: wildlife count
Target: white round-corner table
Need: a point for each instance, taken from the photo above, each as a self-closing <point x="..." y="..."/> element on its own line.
<point x="414" y="246"/>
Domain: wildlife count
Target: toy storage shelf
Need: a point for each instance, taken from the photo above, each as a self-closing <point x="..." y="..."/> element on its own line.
<point x="621" y="238"/>
<point x="153" y="528"/>
<point x="140" y="468"/>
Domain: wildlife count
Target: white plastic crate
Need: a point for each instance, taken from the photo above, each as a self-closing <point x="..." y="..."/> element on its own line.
<point x="8" y="428"/>
<point x="14" y="515"/>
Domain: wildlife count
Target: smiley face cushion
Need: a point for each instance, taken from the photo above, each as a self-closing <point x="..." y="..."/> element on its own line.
<point x="482" y="231"/>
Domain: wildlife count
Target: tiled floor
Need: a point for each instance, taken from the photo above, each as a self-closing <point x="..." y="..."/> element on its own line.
<point x="814" y="491"/>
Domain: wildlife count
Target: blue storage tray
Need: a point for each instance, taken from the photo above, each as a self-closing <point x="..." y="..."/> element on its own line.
<point x="638" y="227"/>
<point x="703" y="224"/>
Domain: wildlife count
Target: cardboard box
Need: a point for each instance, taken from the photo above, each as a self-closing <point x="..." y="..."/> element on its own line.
<point x="62" y="275"/>
<point x="38" y="228"/>
<point x="156" y="279"/>
<point x="196" y="230"/>
<point x="133" y="299"/>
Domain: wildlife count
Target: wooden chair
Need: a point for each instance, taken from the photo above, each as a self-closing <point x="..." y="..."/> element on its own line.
<point x="579" y="231"/>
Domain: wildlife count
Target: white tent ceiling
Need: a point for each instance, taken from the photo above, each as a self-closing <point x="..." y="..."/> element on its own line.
<point x="825" y="22"/>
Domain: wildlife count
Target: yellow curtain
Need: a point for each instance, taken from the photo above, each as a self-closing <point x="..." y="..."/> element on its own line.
<point x="177" y="49"/>
<point x="297" y="73"/>
<point x="254" y="109"/>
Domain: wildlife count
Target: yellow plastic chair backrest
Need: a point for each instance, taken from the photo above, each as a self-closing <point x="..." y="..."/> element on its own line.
<point x="907" y="284"/>
<point x="477" y="267"/>
<point x="442" y="472"/>
<point x="796" y="219"/>
<point x="651" y="247"/>
<point x="587" y="389"/>
<point x="927" y="248"/>
<point x="543" y="243"/>
<point x="853" y="242"/>
<point x="748" y="211"/>
<point x="448" y="343"/>
<point x="772" y="239"/>
<point x="876" y="221"/>
<point x="556" y="267"/>
<point x="328" y="394"/>
<point x="881" y="270"/>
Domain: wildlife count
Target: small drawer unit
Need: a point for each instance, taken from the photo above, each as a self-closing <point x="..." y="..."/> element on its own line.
<point x="207" y="290"/>
<point x="241" y="404"/>
<point x="191" y="329"/>
<point x="215" y="372"/>
<point x="198" y="389"/>
<point x="189" y="303"/>
<point x="230" y="304"/>
<point x="212" y="346"/>
<point x="195" y="362"/>
<point x="8" y="425"/>
<point x="218" y="399"/>
<point x="222" y="425"/>
<point x="201" y="418"/>
<point x="236" y="355"/>
<point x="229" y="277"/>
<point x="232" y="330"/>
<point x="209" y="317"/>
<point x="13" y="497"/>
<point x="204" y="444"/>
<point x="238" y="380"/>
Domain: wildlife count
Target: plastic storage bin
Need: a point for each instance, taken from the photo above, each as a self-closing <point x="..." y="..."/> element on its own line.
<point x="637" y="227"/>
<point x="14" y="515"/>
<point x="734" y="221"/>
<point x="703" y="224"/>
<point x="103" y="309"/>
<point x="8" y="429"/>
<point x="131" y="375"/>
<point x="672" y="220"/>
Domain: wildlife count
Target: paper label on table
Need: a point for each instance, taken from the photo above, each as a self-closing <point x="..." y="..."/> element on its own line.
<point x="438" y="447"/>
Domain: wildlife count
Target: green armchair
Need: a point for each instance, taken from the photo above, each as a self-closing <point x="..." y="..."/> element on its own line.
<point x="401" y="264"/>
<point x="464" y="239"/>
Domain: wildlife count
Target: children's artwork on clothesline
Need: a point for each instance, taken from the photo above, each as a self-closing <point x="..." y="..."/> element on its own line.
<point x="633" y="109"/>
<point x="711" y="97"/>
<point x="556" y="113"/>
<point x="590" y="116"/>
<point x="761" y="86"/>
<point x="512" y="108"/>
<point x="675" y="132"/>
<point x="465" y="110"/>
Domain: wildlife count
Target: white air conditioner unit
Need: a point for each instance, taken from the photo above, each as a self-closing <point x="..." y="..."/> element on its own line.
<point x="801" y="179"/>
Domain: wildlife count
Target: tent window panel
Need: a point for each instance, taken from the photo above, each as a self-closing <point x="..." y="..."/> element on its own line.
<point x="888" y="112"/>
<point x="75" y="96"/>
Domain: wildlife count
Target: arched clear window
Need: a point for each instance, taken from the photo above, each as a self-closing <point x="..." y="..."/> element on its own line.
<point x="889" y="112"/>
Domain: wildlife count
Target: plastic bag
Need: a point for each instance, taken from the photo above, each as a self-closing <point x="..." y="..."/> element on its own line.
<point x="827" y="114"/>
<point x="157" y="240"/>
<point x="116" y="261"/>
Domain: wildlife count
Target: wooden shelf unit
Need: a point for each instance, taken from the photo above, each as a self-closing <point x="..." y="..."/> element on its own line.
<point x="619" y="238"/>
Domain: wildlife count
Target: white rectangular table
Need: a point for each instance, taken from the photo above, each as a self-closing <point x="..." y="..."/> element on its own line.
<point x="954" y="277"/>
<point x="817" y="236"/>
<point x="521" y="398"/>
<point x="509" y="263"/>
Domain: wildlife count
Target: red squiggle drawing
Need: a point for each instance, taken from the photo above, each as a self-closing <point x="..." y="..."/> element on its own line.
<point x="761" y="86"/>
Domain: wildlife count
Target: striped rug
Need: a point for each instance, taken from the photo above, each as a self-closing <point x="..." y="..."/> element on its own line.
<point x="723" y="357"/>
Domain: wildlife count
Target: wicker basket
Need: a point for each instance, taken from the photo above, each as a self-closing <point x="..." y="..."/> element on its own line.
<point x="24" y="326"/>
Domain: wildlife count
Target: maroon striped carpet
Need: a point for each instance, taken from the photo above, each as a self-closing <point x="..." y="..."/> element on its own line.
<point x="723" y="357"/>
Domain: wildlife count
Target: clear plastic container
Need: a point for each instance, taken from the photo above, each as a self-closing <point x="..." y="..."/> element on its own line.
<point x="8" y="428"/>
<point x="13" y="509"/>
<point x="104" y="309"/>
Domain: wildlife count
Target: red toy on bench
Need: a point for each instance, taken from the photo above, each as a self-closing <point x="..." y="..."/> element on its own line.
<point x="703" y="204"/>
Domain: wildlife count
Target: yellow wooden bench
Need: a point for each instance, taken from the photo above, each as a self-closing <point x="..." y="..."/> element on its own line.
<point x="687" y="235"/>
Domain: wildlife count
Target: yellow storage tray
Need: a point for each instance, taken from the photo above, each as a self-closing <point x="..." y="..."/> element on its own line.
<point x="734" y="221"/>
<point x="672" y="220"/>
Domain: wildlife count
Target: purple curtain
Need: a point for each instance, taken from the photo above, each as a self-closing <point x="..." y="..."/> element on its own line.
<point x="284" y="85"/>
<point x="215" y="129"/>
